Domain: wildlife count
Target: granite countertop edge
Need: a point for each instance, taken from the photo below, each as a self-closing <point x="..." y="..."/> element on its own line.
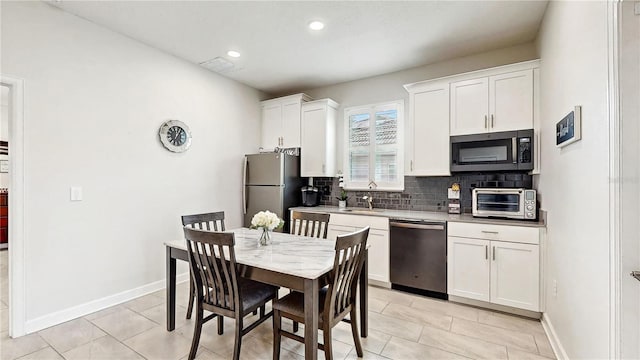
<point x="419" y="215"/>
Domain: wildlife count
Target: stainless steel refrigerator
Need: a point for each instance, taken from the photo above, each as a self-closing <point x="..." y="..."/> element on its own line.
<point x="271" y="182"/>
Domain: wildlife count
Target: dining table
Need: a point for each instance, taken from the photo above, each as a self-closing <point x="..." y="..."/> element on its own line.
<point x="300" y="263"/>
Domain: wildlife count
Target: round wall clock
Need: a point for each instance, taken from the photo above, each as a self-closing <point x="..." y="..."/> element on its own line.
<point x="175" y="135"/>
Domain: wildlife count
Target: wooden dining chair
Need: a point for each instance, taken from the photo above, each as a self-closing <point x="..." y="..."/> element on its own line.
<point x="309" y="224"/>
<point x="219" y="288"/>
<point x="208" y="221"/>
<point x="336" y="300"/>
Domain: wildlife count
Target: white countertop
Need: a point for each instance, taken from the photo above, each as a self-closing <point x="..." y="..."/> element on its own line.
<point x="417" y="215"/>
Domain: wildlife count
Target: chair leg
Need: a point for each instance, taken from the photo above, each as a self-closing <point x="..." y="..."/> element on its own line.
<point x="277" y="323"/>
<point x="262" y="311"/>
<point x="196" y="333"/>
<point x="238" y="342"/>
<point x="354" y="330"/>
<point x="220" y="324"/>
<point x="192" y="296"/>
<point x="328" y="350"/>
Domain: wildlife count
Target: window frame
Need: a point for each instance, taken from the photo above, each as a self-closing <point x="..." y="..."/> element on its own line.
<point x="372" y="109"/>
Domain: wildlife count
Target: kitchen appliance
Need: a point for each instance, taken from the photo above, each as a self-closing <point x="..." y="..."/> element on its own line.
<point x="418" y="256"/>
<point x="310" y="196"/>
<point x="505" y="203"/>
<point x="499" y="151"/>
<point x="271" y="182"/>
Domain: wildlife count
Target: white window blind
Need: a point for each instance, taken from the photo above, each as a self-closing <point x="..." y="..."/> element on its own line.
<point x="374" y="155"/>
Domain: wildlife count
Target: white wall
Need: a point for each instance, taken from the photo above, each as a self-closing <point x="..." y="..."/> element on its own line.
<point x="630" y="180"/>
<point x="389" y="86"/>
<point x="94" y="101"/>
<point x="574" y="182"/>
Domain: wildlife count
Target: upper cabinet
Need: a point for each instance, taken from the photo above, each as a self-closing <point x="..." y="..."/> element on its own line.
<point x="498" y="99"/>
<point x="281" y="121"/>
<point x="318" y="143"/>
<point x="499" y="102"/>
<point x="427" y="140"/>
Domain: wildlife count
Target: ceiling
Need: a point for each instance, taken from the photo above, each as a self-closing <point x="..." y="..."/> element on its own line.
<point x="279" y="53"/>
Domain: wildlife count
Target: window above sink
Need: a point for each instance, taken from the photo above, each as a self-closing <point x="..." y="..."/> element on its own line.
<point x="374" y="146"/>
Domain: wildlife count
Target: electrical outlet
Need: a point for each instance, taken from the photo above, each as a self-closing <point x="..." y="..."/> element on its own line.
<point x="555" y="288"/>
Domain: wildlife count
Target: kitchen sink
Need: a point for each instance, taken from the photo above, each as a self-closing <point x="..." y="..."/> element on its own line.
<point x="363" y="211"/>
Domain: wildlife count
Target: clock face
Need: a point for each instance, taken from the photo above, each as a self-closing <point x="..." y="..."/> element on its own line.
<point x="175" y="135"/>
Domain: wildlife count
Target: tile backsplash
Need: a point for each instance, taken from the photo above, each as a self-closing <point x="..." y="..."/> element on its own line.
<point x="423" y="193"/>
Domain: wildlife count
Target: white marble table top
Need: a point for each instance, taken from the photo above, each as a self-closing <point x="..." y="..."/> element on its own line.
<point x="300" y="256"/>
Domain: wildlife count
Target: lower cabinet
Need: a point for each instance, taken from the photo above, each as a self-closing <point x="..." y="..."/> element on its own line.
<point x="495" y="269"/>
<point x="378" y="240"/>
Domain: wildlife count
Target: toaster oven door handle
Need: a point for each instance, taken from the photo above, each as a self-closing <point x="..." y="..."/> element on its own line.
<point x="514" y="149"/>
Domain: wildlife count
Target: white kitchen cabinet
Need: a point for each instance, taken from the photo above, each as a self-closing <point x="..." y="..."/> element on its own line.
<point x="318" y="139"/>
<point x="515" y="274"/>
<point x="378" y="240"/>
<point x="427" y="139"/>
<point x="494" y="263"/>
<point x="281" y="121"/>
<point x="500" y="102"/>
<point x="468" y="268"/>
<point x="470" y="106"/>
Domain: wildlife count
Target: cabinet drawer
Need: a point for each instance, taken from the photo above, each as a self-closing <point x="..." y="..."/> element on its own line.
<point x="518" y="234"/>
<point x="359" y="221"/>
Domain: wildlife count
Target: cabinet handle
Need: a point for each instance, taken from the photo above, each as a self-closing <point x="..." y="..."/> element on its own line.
<point x="494" y="253"/>
<point x="485" y="121"/>
<point x="323" y="168"/>
<point x="491" y="120"/>
<point x="486" y="252"/>
<point x="411" y="165"/>
<point x="489" y="232"/>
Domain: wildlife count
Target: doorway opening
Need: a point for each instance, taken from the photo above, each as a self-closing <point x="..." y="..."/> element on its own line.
<point x="12" y="161"/>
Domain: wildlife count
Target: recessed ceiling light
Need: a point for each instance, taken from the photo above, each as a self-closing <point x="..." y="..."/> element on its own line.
<point x="316" y="25"/>
<point x="233" y="53"/>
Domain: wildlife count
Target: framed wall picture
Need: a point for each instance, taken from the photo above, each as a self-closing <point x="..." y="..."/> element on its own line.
<point x="568" y="130"/>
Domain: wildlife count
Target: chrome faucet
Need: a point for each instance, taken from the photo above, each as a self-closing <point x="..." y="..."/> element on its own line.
<point x="369" y="200"/>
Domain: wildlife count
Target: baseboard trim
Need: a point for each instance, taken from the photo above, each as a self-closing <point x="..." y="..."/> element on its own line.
<point x="77" y="311"/>
<point x="556" y="345"/>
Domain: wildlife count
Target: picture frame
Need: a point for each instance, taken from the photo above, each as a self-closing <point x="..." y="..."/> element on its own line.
<point x="569" y="129"/>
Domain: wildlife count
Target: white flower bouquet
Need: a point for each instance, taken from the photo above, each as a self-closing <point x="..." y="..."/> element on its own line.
<point x="266" y="220"/>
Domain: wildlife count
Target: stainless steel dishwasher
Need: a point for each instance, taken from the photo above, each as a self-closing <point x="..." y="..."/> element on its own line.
<point x="418" y="261"/>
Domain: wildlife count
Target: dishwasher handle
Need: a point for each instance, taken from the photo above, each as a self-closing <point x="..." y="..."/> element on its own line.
<point x="416" y="226"/>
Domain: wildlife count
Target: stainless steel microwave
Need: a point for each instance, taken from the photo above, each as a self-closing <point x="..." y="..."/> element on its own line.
<point x="499" y="151"/>
<point x="504" y="203"/>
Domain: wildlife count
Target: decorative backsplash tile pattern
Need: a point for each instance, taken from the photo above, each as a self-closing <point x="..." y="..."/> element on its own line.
<point x="423" y="193"/>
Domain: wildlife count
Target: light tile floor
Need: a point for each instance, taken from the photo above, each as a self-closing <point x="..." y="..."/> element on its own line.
<point x="401" y="326"/>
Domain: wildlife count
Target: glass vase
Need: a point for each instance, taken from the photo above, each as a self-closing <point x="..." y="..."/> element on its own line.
<point x="265" y="237"/>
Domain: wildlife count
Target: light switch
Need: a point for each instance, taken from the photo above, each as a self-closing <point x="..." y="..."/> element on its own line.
<point x="76" y="193"/>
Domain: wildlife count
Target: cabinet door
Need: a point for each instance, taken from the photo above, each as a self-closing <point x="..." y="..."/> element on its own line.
<point x="430" y="135"/>
<point x="378" y="255"/>
<point x="469" y="106"/>
<point x="291" y="124"/>
<point x="511" y="101"/>
<point x="515" y="272"/>
<point x="318" y="134"/>
<point x="271" y="125"/>
<point x="468" y="268"/>
<point x="334" y="230"/>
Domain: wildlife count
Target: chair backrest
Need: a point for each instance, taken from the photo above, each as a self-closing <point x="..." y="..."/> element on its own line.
<point x="309" y="224"/>
<point x="213" y="267"/>
<point x="210" y="221"/>
<point x="347" y="264"/>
